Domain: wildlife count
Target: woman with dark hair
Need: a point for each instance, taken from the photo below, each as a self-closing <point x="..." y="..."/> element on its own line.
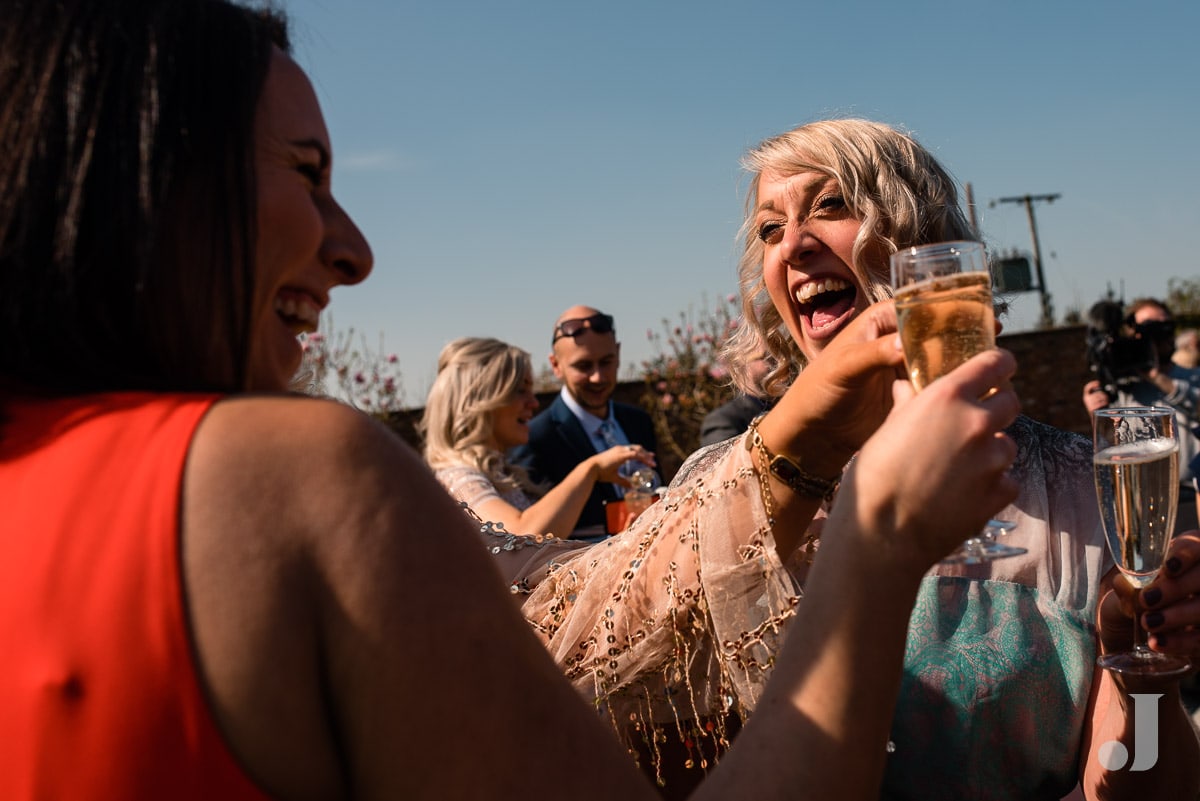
<point x="135" y="323"/>
<point x="212" y="589"/>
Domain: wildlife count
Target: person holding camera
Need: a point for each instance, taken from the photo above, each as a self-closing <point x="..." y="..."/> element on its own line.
<point x="1132" y="358"/>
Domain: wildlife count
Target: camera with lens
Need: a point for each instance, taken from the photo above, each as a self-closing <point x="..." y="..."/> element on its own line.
<point x="1120" y="351"/>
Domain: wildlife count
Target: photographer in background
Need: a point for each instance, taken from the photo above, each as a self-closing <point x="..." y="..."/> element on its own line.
<point x="1131" y="356"/>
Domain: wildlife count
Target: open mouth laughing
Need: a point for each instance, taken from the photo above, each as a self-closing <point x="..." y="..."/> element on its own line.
<point x="300" y="311"/>
<point x="825" y="304"/>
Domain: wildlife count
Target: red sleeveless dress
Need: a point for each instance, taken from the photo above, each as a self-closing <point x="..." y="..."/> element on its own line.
<point x="99" y="694"/>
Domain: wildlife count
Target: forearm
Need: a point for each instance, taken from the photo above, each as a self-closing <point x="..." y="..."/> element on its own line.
<point x="821" y="729"/>
<point x="558" y="510"/>
<point x="1164" y="763"/>
<point x="792" y="511"/>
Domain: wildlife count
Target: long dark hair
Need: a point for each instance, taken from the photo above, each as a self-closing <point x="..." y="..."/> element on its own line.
<point x="127" y="191"/>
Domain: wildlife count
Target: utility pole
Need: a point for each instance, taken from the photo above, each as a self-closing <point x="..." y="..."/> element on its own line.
<point x="1028" y="201"/>
<point x="971" y="207"/>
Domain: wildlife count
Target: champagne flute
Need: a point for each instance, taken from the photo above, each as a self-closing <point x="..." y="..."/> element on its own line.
<point x="1136" y="463"/>
<point x="944" y="314"/>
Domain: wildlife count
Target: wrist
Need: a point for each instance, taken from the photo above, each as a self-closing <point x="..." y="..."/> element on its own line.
<point x="592" y="466"/>
<point x="808" y="451"/>
<point x="884" y="557"/>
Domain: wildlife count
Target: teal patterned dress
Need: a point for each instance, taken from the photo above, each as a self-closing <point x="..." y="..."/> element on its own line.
<point x="1000" y="658"/>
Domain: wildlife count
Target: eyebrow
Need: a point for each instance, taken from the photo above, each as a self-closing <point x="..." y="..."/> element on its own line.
<point x="820" y="180"/>
<point x="317" y="145"/>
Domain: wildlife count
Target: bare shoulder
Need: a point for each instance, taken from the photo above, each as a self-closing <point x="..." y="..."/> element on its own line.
<point x="298" y="525"/>
<point x="297" y="464"/>
<point x="322" y="473"/>
<point x="262" y="499"/>
<point x="316" y="539"/>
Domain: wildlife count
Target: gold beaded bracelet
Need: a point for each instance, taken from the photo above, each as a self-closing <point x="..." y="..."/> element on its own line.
<point x="787" y="471"/>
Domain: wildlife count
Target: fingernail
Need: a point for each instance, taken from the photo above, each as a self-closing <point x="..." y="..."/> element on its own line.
<point x="1154" y="620"/>
<point x="1152" y="596"/>
<point x="1174" y="566"/>
<point x="1160" y="640"/>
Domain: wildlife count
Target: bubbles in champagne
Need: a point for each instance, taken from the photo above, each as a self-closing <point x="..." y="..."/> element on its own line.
<point x="943" y="322"/>
<point x="1137" y="486"/>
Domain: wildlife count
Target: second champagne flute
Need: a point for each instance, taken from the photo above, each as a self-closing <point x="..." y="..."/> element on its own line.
<point x="1136" y="460"/>
<point x="945" y="316"/>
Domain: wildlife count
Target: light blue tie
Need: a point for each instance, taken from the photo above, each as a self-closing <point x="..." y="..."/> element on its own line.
<point x="608" y="433"/>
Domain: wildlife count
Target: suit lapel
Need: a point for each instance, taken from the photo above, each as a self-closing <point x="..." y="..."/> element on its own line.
<point x="570" y="430"/>
<point x="631" y="424"/>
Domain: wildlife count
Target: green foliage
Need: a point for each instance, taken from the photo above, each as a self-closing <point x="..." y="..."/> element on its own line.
<point x="685" y="380"/>
<point x="1183" y="296"/>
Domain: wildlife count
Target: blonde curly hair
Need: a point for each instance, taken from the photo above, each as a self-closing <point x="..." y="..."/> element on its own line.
<point x="896" y="188"/>
<point x="476" y="376"/>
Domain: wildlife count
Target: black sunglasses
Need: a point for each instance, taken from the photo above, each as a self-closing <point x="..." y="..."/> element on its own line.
<point x="600" y="323"/>
<point x="1156" y="329"/>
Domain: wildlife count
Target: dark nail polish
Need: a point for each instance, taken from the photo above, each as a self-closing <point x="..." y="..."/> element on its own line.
<point x="1151" y="596"/>
<point x="1160" y="640"/>
<point x="1154" y="620"/>
<point x="1174" y="566"/>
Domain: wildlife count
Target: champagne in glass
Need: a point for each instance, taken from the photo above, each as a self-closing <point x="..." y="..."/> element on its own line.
<point x="1136" y="463"/>
<point x="944" y="313"/>
<point x="944" y="321"/>
<point x="1135" y="485"/>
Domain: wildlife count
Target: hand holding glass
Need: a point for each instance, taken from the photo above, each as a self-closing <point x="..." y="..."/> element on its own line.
<point x="944" y="314"/>
<point x="643" y="486"/>
<point x="1136" y="462"/>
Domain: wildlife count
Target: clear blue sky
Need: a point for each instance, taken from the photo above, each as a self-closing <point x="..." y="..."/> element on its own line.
<point x="509" y="159"/>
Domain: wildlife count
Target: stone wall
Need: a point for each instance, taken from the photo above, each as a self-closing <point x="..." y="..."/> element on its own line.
<point x="1052" y="369"/>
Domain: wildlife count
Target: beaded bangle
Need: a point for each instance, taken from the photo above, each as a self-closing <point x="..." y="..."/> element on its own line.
<point x="788" y="471"/>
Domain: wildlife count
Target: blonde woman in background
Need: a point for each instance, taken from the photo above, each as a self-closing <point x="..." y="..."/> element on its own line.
<point x="479" y="407"/>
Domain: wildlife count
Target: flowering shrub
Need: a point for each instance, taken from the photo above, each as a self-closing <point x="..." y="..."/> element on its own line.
<point x="685" y="380"/>
<point x="334" y="367"/>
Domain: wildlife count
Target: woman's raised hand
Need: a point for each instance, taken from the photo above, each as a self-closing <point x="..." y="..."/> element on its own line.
<point x="845" y="392"/>
<point x="937" y="468"/>
<point x="608" y="463"/>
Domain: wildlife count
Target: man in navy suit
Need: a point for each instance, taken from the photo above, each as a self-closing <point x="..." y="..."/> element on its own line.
<point x="583" y="419"/>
